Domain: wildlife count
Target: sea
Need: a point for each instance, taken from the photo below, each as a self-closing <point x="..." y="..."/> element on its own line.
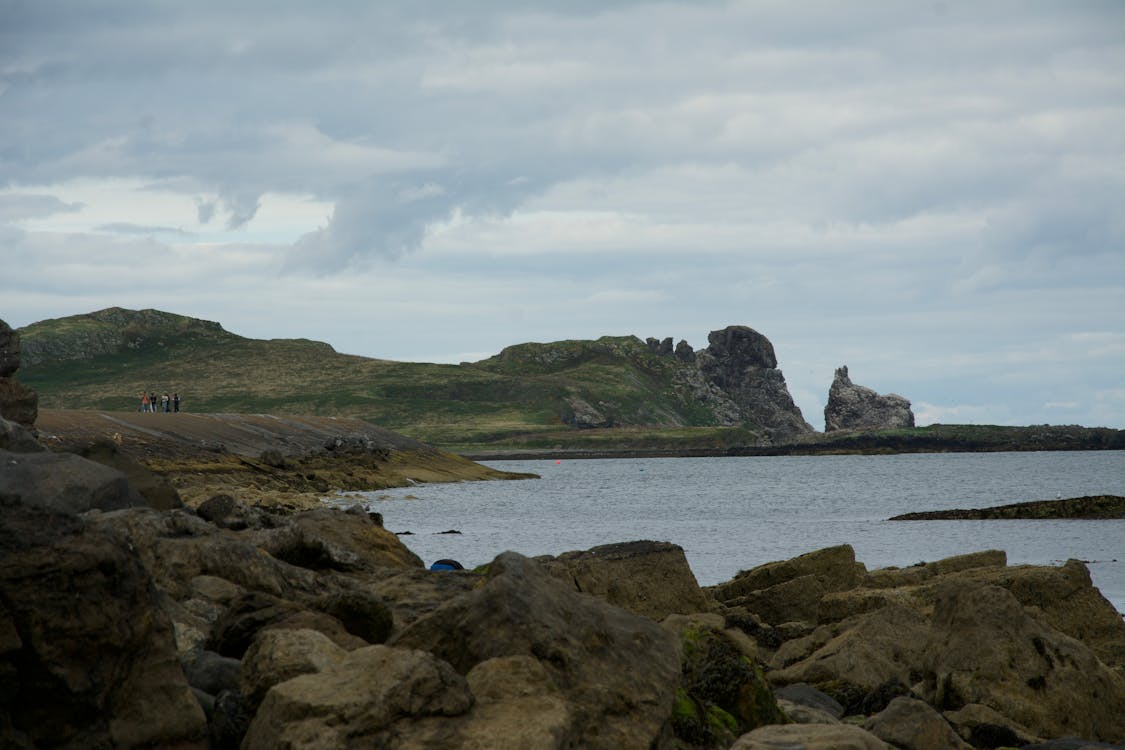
<point x="731" y="514"/>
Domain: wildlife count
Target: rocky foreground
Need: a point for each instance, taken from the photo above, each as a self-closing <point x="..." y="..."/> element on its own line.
<point x="235" y="625"/>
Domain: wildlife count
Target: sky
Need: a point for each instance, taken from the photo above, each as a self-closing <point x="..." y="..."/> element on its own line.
<point x="931" y="193"/>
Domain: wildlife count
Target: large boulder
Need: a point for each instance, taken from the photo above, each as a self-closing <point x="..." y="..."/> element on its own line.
<point x="854" y="407"/>
<point x="18" y="402"/>
<point x="62" y="483"/>
<point x="616" y="670"/>
<point x="834" y="568"/>
<point x="16" y="438"/>
<point x="331" y="539"/>
<point x="9" y="350"/>
<point x="742" y="364"/>
<point x="369" y="699"/>
<point x="155" y="491"/>
<point x="649" y="578"/>
<point x="809" y="737"/>
<point x="911" y="724"/>
<point x="87" y="656"/>
<point x="985" y="648"/>
<point x="279" y="655"/>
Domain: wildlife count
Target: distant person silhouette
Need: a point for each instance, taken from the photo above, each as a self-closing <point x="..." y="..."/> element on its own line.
<point x="176" y="402"/>
<point x="144" y="402"/>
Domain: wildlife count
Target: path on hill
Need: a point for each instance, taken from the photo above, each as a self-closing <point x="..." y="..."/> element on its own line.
<point x="183" y="434"/>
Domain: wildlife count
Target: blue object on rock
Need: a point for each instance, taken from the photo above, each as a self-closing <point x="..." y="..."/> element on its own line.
<point x="446" y="564"/>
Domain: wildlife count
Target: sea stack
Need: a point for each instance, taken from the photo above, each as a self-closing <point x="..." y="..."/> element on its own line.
<point x="854" y="407"/>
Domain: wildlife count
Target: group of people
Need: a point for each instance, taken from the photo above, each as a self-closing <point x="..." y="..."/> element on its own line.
<point x="167" y="404"/>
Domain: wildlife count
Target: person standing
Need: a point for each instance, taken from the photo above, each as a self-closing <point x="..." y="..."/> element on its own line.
<point x="144" y="402"/>
<point x="176" y="402"/>
<point x="153" y="404"/>
<point x="165" y="403"/>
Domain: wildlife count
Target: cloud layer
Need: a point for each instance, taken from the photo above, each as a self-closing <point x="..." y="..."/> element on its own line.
<point x="929" y="193"/>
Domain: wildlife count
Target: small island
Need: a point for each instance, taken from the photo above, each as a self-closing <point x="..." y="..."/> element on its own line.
<point x="1090" y="507"/>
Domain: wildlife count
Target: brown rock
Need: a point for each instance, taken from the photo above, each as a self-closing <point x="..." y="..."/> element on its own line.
<point x="795" y="600"/>
<point x="9" y="350"/>
<point x="18" y="402"/>
<point x="62" y="483"/>
<point x="330" y="539"/>
<point x="911" y="724"/>
<point x="370" y="698"/>
<point x="984" y="648"/>
<point x="279" y="655"/>
<point x="834" y="567"/>
<point x="809" y="737"/>
<point x="617" y="671"/>
<point x="649" y="578"/>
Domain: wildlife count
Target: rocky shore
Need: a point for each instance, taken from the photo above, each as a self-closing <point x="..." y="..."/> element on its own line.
<point x="239" y="625"/>
<point x="1090" y="507"/>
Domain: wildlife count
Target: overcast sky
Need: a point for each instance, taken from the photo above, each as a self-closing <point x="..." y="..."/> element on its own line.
<point x="932" y="193"/>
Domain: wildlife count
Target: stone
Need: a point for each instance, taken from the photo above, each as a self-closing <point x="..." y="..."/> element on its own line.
<point x="854" y="407"/>
<point x="279" y="655"/>
<point x="798" y="713"/>
<point x="809" y="737"/>
<point x="368" y="699"/>
<point x="723" y="691"/>
<point x="911" y="724"/>
<point x="617" y="671"/>
<point x="360" y="611"/>
<point x="652" y="579"/>
<point x="18" y="403"/>
<point x="982" y="726"/>
<point x="62" y="483"/>
<point x="985" y="648"/>
<point x="414" y="593"/>
<point x="155" y="491"/>
<point x="87" y="656"/>
<point x="9" y="350"/>
<point x="330" y="539"/>
<point x="210" y="672"/>
<point x="741" y="363"/>
<point x="684" y="352"/>
<point x="230" y="718"/>
<point x="795" y="600"/>
<point x="255" y="612"/>
<point x="16" y="438"/>
<point x="806" y="695"/>
<point x="868" y="651"/>
<point x="517" y="706"/>
<point x="834" y="567"/>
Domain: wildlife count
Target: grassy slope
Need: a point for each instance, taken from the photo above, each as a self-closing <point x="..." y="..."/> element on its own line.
<point x="518" y="397"/>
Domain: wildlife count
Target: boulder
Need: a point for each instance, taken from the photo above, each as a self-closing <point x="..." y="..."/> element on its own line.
<point x="255" y="612"/>
<point x="795" y="600"/>
<point x="9" y="350"/>
<point x="16" y="438"/>
<point x="370" y="698"/>
<point x="331" y="539"/>
<point x="867" y="651"/>
<point x="917" y="574"/>
<point x="155" y="491"/>
<point x="723" y="691"/>
<point x="806" y="695"/>
<point x="413" y="593"/>
<point x="18" y="402"/>
<point x="617" y="671"/>
<point x="87" y="655"/>
<point x="279" y="655"/>
<point x="652" y="579"/>
<point x="809" y="737"/>
<point x="210" y="672"/>
<point x="854" y="407"/>
<point x="835" y="568"/>
<point x="741" y="363"/>
<point x="984" y="648"/>
<point x="62" y="483"/>
<point x="982" y="726"/>
<point x="911" y="724"/>
<point x="517" y="706"/>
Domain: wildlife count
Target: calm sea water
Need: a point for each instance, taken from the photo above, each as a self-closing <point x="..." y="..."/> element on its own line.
<point x="730" y="514"/>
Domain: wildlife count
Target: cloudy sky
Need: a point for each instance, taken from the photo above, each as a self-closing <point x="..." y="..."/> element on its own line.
<point x="932" y="193"/>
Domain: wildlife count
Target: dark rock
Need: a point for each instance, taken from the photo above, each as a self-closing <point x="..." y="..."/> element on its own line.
<point x="254" y="612"/>
<point x="330" y="539"/>
<point x="616" y="671"/>
<point x="649" y="578"/>
<point x="62" y="483"/>
<point x="911" y="724"/>
<point x="361" y="612"/>
<point x="1088" y="507"/>
<point x="155" y="491"/>
<point x="684" y="352"/>
<point x="229" y="721"/>
<point x="834" y="568"/>
<point x="210" y="672"/>
<point x="741" y="362"/>
<point x="227" y="513"/>
<point x="18" y="402"/>
<point x="279" y="655"/>
<point x="854" y="407"/>
<point x="9" y="350"/>
<point x="17" y="438"/>
<point x="806" y="695"/>
<point x="88" y="656"/>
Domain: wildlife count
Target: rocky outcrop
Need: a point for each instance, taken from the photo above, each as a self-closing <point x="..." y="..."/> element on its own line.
<point x="741" y="363"/>
<point x="63" y="483"/>
<point x="854" y="407"/>
<point x="18" y="403"/>
<point x="1089" y="507"/>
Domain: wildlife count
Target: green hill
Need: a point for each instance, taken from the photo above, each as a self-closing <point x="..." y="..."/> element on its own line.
<point x="530" y="395"/>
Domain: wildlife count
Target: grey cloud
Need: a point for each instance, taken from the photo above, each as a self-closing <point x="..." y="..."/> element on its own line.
<point x="121" y="227"/>
<point x="14" y="207"/>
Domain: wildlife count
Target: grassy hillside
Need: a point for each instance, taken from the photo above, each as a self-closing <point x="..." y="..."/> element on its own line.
<point x="526" y="395"/>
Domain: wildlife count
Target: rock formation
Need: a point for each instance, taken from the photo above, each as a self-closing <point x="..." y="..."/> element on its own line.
<point x="741" y="363"/>
<point x="18" y="403"/>
<point x="854" y="407"/>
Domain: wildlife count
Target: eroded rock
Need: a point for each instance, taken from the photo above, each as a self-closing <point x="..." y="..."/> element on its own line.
<point x="854" y="407"/>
